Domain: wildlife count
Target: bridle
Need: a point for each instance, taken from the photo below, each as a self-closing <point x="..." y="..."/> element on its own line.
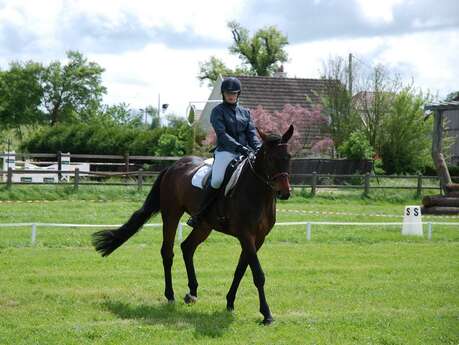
<point x="268" y="180"/>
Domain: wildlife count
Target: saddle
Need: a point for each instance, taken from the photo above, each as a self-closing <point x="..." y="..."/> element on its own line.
<point x="202" y="179"/>
<point x="202" y="176"/>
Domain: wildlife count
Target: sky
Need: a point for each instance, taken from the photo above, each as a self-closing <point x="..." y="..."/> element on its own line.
<point x="150" y="47"/>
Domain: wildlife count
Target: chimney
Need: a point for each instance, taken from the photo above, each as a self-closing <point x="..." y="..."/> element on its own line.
<point x="280" y="72"/>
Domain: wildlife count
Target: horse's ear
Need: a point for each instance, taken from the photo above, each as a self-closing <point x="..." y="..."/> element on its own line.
<point x="288" y="134"/>
<point x="261" y="134"/>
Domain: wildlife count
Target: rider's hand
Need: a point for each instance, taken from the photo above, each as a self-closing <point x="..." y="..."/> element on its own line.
<point x="244" y="150"/>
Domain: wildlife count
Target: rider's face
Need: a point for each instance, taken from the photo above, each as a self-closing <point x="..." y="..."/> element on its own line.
<point x="230" y="97"/>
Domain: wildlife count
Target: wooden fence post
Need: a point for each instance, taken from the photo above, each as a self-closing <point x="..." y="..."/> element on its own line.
<point x="126" y="166"/>
<point x="139" y="179"/>
<point x="59" y="166"/>
<point x="9" y="178"/>
<point x="366" y="190"/>
<point x="314" y="183"/>
<point x="419" y="188"/>
<point x="126" y="161"/>
<point x="76" y="180"/>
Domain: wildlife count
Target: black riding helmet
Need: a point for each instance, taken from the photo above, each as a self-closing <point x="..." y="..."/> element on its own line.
<point x="231" y="84"/>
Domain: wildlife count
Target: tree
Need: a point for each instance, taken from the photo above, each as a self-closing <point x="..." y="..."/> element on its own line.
<point x="374" y="102"/>
<point x="20" y="95"/>
<point x="73" y="90"/>
<point x="263" y="51"/>
<point x="406" y="136"/>
<point x="452" y="96"/>
<point x="337" y="100"/>
<point x="260" y="54"/>
<point x="356" y="146"/>
<point x="215" y="67"/>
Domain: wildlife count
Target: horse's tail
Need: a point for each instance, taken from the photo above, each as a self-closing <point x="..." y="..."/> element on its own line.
<point x="106" y="241"/>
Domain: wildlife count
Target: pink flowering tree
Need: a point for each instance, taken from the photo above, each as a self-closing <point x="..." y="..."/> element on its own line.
<point x="302" y="119"/>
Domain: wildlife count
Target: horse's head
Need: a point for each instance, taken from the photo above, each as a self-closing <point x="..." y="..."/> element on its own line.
<point x="276" y="161"/>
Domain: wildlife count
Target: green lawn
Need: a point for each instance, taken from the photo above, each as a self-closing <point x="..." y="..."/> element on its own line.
<point x="349" y="285"/>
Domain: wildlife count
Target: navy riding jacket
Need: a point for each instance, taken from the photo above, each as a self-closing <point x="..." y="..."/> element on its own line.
<point x="234" y="128"/>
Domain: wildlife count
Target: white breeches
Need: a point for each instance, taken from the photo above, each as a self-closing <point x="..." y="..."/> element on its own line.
<point x="221" y="161"/>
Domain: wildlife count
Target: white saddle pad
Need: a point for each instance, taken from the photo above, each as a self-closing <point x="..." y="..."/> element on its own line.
<point x="200" y="175"/>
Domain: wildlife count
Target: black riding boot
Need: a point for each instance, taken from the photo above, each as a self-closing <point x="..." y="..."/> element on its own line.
<point x="209" y="197"/>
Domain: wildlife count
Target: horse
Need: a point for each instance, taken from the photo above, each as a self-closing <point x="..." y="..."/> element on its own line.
<point x="250" y="211"/>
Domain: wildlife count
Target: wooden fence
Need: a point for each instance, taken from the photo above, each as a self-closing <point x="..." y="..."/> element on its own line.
<point x="137" y="178"/>
<point x="124" y="162"/>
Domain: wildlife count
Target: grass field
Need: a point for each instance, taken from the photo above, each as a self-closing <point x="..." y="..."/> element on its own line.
<point x="349" y="285"/>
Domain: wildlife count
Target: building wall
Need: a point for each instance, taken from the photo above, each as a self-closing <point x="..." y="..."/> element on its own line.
<point x="452" y="130"/>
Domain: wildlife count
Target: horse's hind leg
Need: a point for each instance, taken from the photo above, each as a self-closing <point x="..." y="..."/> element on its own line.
<point x="194" y="239"/>
<point x="170" y="223"/>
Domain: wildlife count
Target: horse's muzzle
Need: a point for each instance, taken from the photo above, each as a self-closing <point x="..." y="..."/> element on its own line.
<point x="283" y="187"/>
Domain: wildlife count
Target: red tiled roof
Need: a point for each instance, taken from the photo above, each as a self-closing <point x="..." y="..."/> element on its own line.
<point x="274" y="93"/>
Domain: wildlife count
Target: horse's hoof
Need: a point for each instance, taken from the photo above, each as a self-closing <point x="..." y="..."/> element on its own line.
<point x="171" y="301"/>
<point x="190" y="299"/>
<point x="267" y="321"/>
<point x="230" y="308"/>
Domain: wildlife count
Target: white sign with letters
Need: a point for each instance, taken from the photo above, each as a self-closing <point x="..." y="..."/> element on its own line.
<point x="412" y="221"/>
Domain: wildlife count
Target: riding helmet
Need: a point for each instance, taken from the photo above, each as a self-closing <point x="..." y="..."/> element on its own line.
<point x="231" y="84"/>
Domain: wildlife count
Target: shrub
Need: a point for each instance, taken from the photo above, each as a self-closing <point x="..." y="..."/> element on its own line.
<point x="98" y="138"/>
<point x="356" y="146"/>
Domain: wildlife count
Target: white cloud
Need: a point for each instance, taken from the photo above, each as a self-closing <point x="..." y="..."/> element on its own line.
<point x="137" y="77"/>
<point x="426" y="57"/>
<point x="377" y="11"/>
<point x="150" y="47"/>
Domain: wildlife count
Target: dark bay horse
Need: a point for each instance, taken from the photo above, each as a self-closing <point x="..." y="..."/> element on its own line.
<point x="250" y="212"/>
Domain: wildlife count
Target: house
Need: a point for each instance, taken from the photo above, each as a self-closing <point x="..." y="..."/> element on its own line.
<point x="272" y="93"/>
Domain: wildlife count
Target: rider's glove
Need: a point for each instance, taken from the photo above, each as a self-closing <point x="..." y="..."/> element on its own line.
<point x="244" y="150"/>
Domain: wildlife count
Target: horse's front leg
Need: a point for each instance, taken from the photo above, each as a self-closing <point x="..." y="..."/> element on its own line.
<point x="238" y="274"/>
<point x="250" y="252"/>
<point x="194" y="239"/>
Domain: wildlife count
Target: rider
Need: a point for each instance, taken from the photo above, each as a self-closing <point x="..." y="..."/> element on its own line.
<point x="236" y="135"/>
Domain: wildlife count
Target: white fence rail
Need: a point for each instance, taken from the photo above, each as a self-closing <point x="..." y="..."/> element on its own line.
<point x="308" y="226"/>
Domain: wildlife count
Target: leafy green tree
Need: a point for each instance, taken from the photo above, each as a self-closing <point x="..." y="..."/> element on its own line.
<point x="211" y="69"/>
<point x="263" y="51"/>
<point x="73" y="90"/>
<point x="452" y="95"/>
<point x="260" y="54"/>
<point x="117" y="113"/>
<point x="122" y="114"/>
<point x="356" y="146"/>
<point x="20" y="95"/>
<point x="406" y="136"/>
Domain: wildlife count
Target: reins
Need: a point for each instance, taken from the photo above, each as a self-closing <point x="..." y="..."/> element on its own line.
<point x="267" y="181"/>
